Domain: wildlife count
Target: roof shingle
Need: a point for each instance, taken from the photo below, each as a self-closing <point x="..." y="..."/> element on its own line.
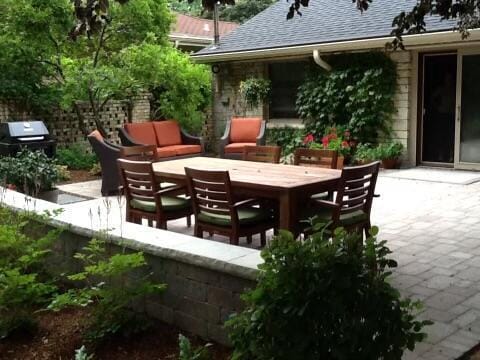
<point x="324" y="21"/>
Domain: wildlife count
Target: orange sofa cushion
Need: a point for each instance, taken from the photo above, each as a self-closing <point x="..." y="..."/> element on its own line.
<point x="167" y="132"/>
<point x="237" y="148"/>
<point x="164" y="152"/>
<point x="185" y="149"/>
<point x="142" y="133"/>
<point x="245" y="130"/>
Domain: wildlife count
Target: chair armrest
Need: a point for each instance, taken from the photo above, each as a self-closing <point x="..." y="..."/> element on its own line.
<point x="188" y="139"/>
<point x="247" y="202"/>
<point x="262" y="134"/>
<point x="126" y="139"/>
<point x="224" y="140"/>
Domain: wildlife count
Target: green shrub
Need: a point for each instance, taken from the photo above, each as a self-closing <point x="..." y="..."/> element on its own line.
<point x="358" y="94"/>
<point x="25" y="285"/>
<point x="288" y="138"/>
<point x="29" y="172"/>
<point x="325" y="299"/>
<point x="107" y="284"/>
<point x="76" y="157"/>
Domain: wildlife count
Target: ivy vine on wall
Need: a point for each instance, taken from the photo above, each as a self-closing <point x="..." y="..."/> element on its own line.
<point x="358" y="94"/>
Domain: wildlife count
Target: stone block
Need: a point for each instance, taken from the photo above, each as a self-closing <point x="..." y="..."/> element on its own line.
<point x="189" y="323"/>
<point x="201" y="310"/>
<point x="219" y="296"/>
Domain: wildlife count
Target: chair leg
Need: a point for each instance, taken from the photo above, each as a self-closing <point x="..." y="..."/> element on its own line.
<point x="210" y="233"/>
<point x="150" y="222"/>
<point x="189" y="221"/>
<point x="249" y="239"/>
<point x="198" y="232"/>
<point x="263" y="238"/>
<point x="234" y="238"/>
<point x="367" y="227"/>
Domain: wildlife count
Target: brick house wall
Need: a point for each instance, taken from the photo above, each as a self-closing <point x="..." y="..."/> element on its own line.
<point x="227" y="101"/>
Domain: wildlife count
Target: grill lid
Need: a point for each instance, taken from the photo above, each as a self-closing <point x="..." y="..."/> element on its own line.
<point x="24" y="129"/>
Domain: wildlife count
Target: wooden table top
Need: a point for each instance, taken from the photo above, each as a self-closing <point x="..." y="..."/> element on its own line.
<point x="245" y="173"/>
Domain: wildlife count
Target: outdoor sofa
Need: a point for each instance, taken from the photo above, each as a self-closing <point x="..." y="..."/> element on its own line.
<point x="171" y="141"/>
<point x="241" y="132"/>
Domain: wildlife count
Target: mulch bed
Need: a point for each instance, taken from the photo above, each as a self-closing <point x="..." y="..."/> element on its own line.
<point x="80" y="176"/>
<point x="60" y="334"/>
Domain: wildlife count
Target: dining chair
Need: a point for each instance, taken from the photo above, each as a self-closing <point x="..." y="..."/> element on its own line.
<point x="353" y="202"/>
<point x="139" y="152"/>
<point x="146" y="200"/>
<point x="316" y="157"/>
<point x="319" y="158"/>
<point x="216" y="210"/>
<point x="266" y="154"/>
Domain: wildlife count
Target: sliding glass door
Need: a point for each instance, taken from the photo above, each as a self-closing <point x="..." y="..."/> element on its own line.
<point x="467" y="129"/>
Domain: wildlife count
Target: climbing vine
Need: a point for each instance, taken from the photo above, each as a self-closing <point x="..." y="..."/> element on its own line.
<point x="358" y="94"/>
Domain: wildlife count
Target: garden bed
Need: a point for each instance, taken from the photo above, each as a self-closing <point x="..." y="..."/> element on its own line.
<point x="77" y="176"/>
<point x="59" y="335"/>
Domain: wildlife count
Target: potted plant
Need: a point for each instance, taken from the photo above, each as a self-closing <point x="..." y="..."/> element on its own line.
<point x="32" y="173"/>
<point x="255" y="91"/>
<point x="389" y="153"/>
<point x="333" y="140"/>
<point x="364" y="154"/>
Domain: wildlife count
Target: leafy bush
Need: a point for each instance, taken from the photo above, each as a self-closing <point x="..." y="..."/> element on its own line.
<point x="389" y="150"/>
<point x="358" y="93"/>
<point x="76" y="157"/>
<point x="106" y="283"/>
<point x="255" y="91"/>
<point x="325" y="299"/>
<point x="288" y="138"/>
<point x="187" y="352"/>
<point x="181" y="90"/>
<point x="24" y="283"/>
<point x="30" y="171"/>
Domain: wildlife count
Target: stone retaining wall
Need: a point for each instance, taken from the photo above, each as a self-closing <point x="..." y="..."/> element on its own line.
<point x="204" y="278"/>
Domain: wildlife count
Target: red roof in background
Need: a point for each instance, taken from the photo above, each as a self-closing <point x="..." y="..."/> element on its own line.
<point x="190" y="25"/>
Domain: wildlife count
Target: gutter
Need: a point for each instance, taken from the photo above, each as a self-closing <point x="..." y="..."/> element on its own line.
<point x="409" y="41"/>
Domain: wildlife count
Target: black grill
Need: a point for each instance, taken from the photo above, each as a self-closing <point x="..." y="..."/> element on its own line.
<point x="33" y="135"/>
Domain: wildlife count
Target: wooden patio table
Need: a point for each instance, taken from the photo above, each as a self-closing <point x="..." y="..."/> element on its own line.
<point x="291" y="185"/>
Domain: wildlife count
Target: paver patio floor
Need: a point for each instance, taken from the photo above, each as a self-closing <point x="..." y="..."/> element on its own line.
<point x="433" y="229"/>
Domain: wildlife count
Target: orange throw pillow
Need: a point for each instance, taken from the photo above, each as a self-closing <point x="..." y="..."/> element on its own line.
<point x="142" y="133"/>
<point x="167" y="132"/>
<point x="245" y="130"/>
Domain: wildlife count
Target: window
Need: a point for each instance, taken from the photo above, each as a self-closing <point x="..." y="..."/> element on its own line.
<point x="285" y="78"/>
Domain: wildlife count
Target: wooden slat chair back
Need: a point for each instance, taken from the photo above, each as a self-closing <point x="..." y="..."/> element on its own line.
<point x="139" y="153"/>
<point x="266" y="154"/>
<point x="356" y="190"/>
<point x="316" y="157"/>
<point x="140" y="187"/>
<point x="211" y="194"/>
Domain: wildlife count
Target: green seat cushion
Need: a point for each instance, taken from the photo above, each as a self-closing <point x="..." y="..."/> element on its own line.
<point x="345" y="219"/>
<point x="246" y="216"/>
<point x="169" y="203"/>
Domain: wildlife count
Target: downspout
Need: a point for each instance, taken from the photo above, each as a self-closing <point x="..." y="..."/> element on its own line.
<point x="320" y="62"/>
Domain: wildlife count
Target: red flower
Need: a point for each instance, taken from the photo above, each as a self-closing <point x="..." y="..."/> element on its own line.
<point x="325" y="141"/>
<point x="308" y="139"/>
<point x="345" y="144"/>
